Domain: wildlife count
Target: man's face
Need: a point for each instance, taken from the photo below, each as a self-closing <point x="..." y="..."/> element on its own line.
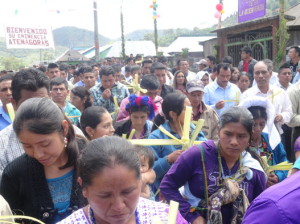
<point x="209" y="62"/>
<point x="27" y="94"/>
<point x="184" y="66"/>
<point x="89" y="79"/>
<point x="53" y="72"/>
<point x="195" y="98"/>
<point x="292" y="53"/>
<point x="108" y="81"/>
<point x="261" y="75"/>
<point x="285" y="76"/>
<point x="223" y="77"/>
<point x="5" y="92"/>
<point x="146" y="68"/>
<point x="59" y="93"/>
<point x="244" y="55"/>
<point x="63" y="74"/>
<point x="161" y="75"/>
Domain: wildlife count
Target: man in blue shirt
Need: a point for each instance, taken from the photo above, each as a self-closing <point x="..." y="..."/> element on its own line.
<point x="5" y="97"/>
<point x="221" y="94"/>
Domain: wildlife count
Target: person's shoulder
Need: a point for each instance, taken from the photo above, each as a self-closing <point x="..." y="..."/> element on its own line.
<point x="77" y="217"/>
<point x="7" y="136"/>
<point x="17" y="166"/>
<point x="96" y="88"/>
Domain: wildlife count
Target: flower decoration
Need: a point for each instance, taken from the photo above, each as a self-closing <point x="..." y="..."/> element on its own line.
<point x="139" y="101"/>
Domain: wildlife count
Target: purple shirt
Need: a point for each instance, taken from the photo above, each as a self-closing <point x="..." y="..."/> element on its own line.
<point x="188" y="168"/>
<point x="278" y="204"/>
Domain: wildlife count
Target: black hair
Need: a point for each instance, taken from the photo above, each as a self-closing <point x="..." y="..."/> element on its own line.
<point x="212" y="59"/>
<point x="6" y="78"/>
<point x="180" y="60"/>
<point x="228" y="59"/>
<point x="146" y="152"/>
<point x="224" y="66"/>
<point x="58" y="81"/>
<point x="82" y="92"/>
<point x="104" y="153"/>
<point x="87" y="69"/>
<point x="76" y="73"/>
<point x="157" y="66"/>
<point x="172" y="102"/>
<point x="258" y="112"/>
<point x="127" y="68"/>
<point x="30" y="79"/>
<point x="107" y="71"/>
<point x="129" y="60"/>
<point x="146" y="61"/>
<point x="72" y="67"/>
<point x="237" y="115"/>
<point x="241" y="74"/>
<point x="247" y="50"/>
<point x="42" y="68"/>
<point x="297" y="49"/>
<point x="150" y="82"/>
<point x="91" y="117"/>
<point x="134" y="68"/>
<point x="116" y="68"/>
<point x="52" y="65"/>
<point x="283" y="66"/>
<point x="63" y="67"/>
<point x="162" y="59"/>
<point x="42" y="116"/>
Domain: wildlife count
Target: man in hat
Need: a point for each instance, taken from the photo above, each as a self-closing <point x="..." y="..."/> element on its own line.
<point x="195" y="89"/>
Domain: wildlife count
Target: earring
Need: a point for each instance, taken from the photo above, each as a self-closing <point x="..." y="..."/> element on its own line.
<point x="66" y="142"/>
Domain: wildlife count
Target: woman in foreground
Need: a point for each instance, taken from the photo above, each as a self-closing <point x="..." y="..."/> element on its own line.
<point x="218" y="178"/>
<point x="109" y="173"/>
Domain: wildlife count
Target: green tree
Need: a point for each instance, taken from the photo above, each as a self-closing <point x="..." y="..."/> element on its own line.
<point x="11" y="63"/>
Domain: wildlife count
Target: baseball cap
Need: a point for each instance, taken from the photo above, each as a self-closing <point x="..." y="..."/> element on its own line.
<point x="194" y="85"/>
<point x="202" y="61"/>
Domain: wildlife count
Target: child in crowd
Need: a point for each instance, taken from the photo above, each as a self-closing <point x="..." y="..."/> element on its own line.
<point x="146" y="157"/>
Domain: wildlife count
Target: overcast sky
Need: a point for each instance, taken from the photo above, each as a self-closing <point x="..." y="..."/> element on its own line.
<point x="137" y="14"/>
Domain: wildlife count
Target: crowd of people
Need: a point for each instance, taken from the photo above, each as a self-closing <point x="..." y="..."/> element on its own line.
<point x="66" y="156"/>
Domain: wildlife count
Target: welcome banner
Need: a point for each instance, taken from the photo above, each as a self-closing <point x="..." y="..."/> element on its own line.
<point x="251" y="9"/>
<point x="29" y="37"/>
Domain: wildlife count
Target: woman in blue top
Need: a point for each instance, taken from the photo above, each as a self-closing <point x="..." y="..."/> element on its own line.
<point x="173" y="108"/>
<point x="42" y="183"/>
<point x="260" y="144"/>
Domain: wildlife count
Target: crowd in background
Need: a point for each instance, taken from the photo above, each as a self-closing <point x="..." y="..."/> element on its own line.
<point x="60" y="160"/>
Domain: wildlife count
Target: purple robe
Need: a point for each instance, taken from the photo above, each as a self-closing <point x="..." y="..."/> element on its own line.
<point x="278" y="204"/>
<point x="188" y="169"/>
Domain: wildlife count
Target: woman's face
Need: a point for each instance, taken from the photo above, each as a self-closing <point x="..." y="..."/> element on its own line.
<point x="234" y="139"/>
<point x="104" y="128"/>
<point x="234" y="75"/>
<point x="243" y="83"/>
<point x="76" y="101"/>
<point x="205" y="80"/>
<point x="113" y="195"/>
<point x="180" y="78"/>
<point x="182" y="114"/>
<point x="138" y="119"/>
<point x="49" y="149"/>
<point x="259" y="125"/>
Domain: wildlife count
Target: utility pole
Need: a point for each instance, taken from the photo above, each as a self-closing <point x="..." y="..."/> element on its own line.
<point x="220" y="18"/>
<point x="96" y="36"/>
<point x="155" y="36"/>
<point x="122" y="33"/>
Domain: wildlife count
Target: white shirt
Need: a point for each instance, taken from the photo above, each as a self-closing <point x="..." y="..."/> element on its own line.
<point x="279" y="99"/>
